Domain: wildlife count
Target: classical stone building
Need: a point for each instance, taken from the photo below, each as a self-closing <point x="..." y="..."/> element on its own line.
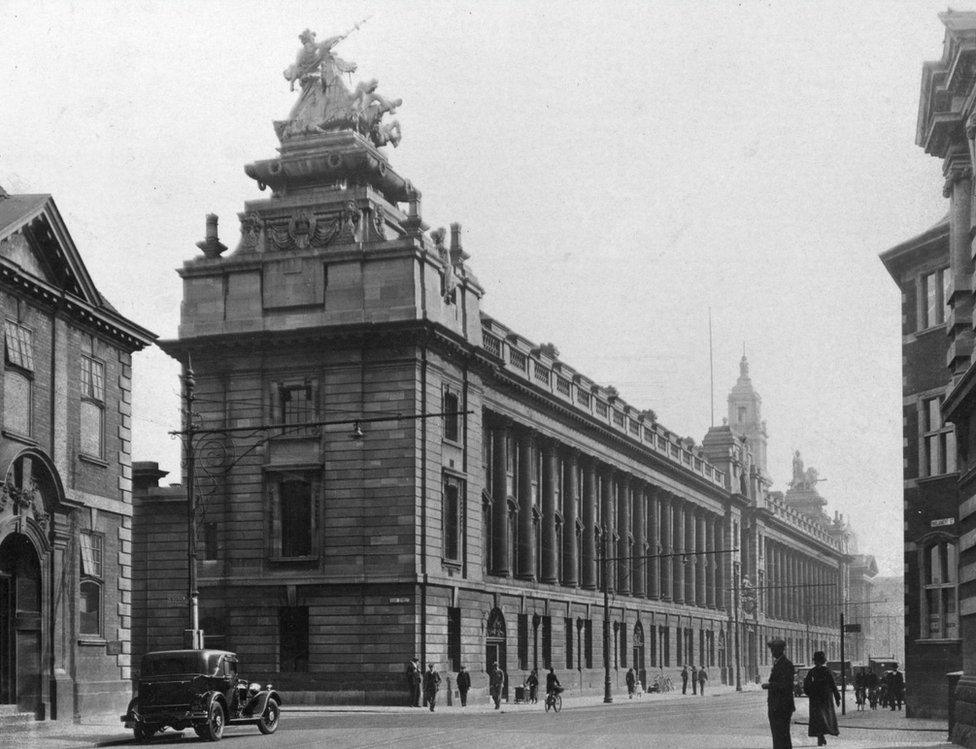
<point x="947" y="129"/>
<point x="392" y="472"/>
<point x="933" y="644"/>
<point x="65" y="510"/>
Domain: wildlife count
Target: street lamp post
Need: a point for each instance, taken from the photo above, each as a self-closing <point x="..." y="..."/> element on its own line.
<point x="735" y="607"/>
<point x="192" y="636"/>
<point x="607" y="691"/>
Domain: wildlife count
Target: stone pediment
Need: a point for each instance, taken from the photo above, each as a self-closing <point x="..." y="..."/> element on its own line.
<point x="33" y="238"/>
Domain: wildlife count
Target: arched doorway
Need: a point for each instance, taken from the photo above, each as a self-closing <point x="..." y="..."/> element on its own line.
<point x="20" y="623"/>
<point x="495" y="645"/>
<point x="639" y="660"/>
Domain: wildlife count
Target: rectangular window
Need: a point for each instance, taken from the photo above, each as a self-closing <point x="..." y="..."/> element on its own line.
<point x="677" y="644"/>
<point x="293" y="404"/>
<point x="486" y="460"/>
<point x="653" y="644"/>
<point x="294" y="514"/>
<point x="588" y="644"/>
<point x="450" y="407"/>
<point x="623" y="645"/>
<point x="546" y="641"/>
<point x="293" y="638"/>
<point x="19" y="344"/>
<point x="940" y="617"/>
<point x="91" y="554"/>
<point x="209" y="541"/>
<point x="570" y="638"/>
<point x="938" y="440"/>
<point x="666" y="645"/>
<point x="934" y="297"/>
<point x="92" y="407"/>
<point x="454" y="638"/>
<point x="453" y="517"/>
<point x="17" y="402"/>
<point x="523" y="642"/>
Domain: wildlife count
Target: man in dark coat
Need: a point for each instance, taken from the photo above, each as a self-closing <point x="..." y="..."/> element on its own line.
<point x="631" y="680"/>
<point x="463" y="684"/>
<point x="496" y="680"/>
<point x="702" y="678"/>
<point x="694" y="680"/>
<point x="684" y="680"/>
<point x="432" y="682"/>
<point x="779" y="700"/>
<point x="896" y="689"/>
<point x="413" y="682"/>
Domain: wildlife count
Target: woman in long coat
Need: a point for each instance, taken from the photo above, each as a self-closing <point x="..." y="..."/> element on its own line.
<point x="820" y="687"/>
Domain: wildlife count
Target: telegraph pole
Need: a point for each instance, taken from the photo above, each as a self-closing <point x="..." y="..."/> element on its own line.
<point x="843" y="669"/>
<point x="193" y="637"/>
<point x="607" y="691"/>
<point x="735" y="606"/>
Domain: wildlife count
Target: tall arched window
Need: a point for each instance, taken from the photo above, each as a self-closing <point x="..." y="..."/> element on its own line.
<point x="939" y="605"/>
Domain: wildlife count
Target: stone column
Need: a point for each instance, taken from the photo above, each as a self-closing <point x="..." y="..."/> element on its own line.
<point x="639" y="563"/>
<point x="712" y="562"/>
<point x="550" y="480"/>
<point x="958" y="188"/>
<point x="526" y="535"/>
<point x="589" y="523"/>
<point x="667" y="547"/>
<point x="679" y="547"/>
<point x="700" y="583"/>
<point x="691" y="562"/>
<point x="723" y="563"/>
<point x="501" y="550"/>
<point x="653" y="542"/>
<point x="570" y="520"/>
<point x="608" y="518"/>
<point x="624" y="536"/>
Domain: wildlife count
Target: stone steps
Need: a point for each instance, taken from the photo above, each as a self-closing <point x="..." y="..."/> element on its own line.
<point x="12" y="716"/>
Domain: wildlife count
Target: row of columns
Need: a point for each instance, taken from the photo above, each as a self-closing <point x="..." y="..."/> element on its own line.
<point x="599" y="509"/>
<point x="799" y="588"/>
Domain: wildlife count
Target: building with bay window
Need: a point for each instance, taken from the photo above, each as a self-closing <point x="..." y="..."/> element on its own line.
<point x="65" y="496"/>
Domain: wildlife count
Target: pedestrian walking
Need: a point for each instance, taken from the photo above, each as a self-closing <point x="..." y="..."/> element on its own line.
<point x="631" y="680"/>
<point x="463" y="685"/>
<point x="694" y="680"/>
<point x="896" y="689"/>
<point x="684" y="680"/>
<point x="496" y="680"/>
<point x="432" y="682"/>
<point x="820" y="687"/>
<point x="702" y="678"/>
<point x="779" y="698"/>
<point x="413" y="682"/>
<point x="532" y="683"/>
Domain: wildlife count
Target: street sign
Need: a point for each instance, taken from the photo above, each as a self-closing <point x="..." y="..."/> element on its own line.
<point x="852" y="627"/>
<point x="942" y="521"/>
<point x="176" y="599"/>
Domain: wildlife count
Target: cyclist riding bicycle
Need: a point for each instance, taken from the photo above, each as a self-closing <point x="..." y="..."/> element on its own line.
<point x="552" y="683"/>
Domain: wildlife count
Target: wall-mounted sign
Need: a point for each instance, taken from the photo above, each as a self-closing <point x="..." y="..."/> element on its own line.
<point x="176" y="599"/>
<point x="852" y="627"/>
<point x="942" y="522"/>
<point x="399" y="600"/>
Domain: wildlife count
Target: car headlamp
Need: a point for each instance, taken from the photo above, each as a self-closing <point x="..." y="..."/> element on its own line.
<point x="253" y="688"/>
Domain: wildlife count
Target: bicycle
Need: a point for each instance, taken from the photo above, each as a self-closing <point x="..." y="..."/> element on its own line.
<point x="554" y="700"/>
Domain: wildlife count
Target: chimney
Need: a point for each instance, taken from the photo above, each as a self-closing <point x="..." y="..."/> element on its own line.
<point x="211" y="245"/>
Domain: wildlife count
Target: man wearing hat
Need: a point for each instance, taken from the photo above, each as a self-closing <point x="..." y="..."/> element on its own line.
<point x="432" y="682"/>
<point x="414" y="677"/>
<point x="779" y="698"/>
<point x="496" y="681"/>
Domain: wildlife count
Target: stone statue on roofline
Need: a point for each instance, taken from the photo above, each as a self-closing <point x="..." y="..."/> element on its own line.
<point x="326" y="104"/>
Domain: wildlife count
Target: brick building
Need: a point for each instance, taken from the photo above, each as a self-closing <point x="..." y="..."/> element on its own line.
<point x="394" y="472"/>
<point x="65" y="509"/>
<point x="933" y="645"/>
<point x="947" y="130"/>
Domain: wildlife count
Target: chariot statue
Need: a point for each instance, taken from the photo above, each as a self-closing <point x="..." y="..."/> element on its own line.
<point x="326" y="103"/>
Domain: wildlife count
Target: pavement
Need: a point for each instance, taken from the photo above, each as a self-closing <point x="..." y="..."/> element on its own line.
<point x="722" y="719"/>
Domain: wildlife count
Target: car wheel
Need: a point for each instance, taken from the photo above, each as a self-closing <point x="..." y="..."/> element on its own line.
<point x="213" y="729"/>
<point x="268" y="722"/>
<point x="144" y="731"/>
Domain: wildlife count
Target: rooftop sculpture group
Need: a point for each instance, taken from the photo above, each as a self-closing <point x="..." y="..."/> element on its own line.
<point x="326" y="104"/>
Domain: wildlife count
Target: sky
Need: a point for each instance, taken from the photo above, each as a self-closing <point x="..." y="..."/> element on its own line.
<point x="619" y="169"/>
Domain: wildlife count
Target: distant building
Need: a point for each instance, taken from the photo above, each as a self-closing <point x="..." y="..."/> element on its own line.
<point x="888" y="621"/>
<point x="65" y="509"/>
<point x="933" y="644"/>
<point x="469" y="495"/>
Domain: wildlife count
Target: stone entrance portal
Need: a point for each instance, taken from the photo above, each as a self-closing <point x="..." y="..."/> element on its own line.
<point x="495" y="646"/>
<point x="20" y="623"/>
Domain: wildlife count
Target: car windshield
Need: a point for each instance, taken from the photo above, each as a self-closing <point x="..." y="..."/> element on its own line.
<point x="162" y="664"/>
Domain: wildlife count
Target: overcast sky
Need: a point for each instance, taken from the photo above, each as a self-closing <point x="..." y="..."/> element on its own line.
<point x="617" y="170"/>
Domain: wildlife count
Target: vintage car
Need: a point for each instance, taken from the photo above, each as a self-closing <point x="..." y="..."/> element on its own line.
<point x="198" y="689"/>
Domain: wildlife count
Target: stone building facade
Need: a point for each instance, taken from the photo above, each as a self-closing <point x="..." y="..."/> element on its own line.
<point x="393" y="472"/>
<point x="933" y="643"/>
<point x="65" y="497"/>
<point x="947" y="130"/>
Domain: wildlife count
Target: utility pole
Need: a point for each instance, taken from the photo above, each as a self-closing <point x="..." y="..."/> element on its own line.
<point x="193" y="637"/>
<point x="735" y="606"/>
<point x="843" y="669"/>
<point x="607" y="691"/>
